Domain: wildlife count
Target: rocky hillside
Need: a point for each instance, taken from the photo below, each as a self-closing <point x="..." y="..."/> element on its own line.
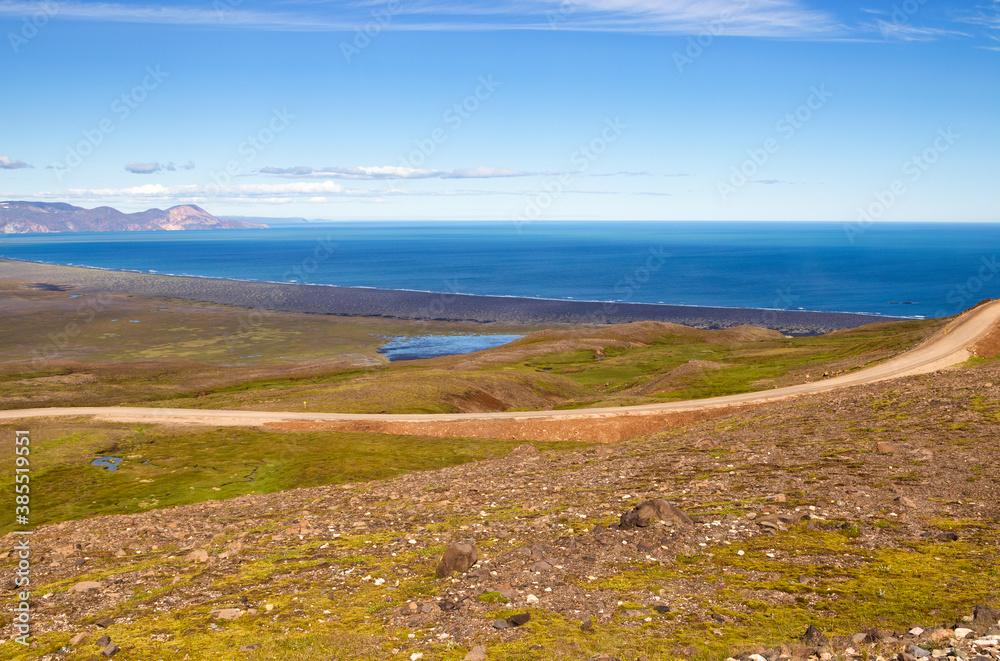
<point x="857" y="525"/>
<point x="44" y="217"/>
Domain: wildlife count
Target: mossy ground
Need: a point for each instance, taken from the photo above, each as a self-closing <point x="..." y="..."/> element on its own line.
<point x="870" y="556"/>
<point x="165" y="467"/>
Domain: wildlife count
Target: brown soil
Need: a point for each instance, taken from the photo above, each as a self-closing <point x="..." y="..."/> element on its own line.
<point x="988" y="346"/>
<point x="900" y="464"/>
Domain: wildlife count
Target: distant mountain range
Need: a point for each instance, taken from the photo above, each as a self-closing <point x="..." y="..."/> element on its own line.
<point x="23" y="217"/>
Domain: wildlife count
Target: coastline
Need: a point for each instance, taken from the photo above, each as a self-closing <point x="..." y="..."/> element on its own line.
<point x="421" y="306"/>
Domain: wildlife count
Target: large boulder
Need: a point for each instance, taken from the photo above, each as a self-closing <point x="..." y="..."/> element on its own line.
<point x="651" y="511"/>
<point x="458" y="557"/>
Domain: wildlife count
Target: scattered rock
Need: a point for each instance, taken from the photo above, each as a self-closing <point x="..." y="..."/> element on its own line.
<point x="501" y="624"/>
<point x="650" y="511"/>
<point x="918" y="652"/>
<point x="110" y="650"/>
<point x="79" y="638"/>
<point x="986" y="615"/>
<point x="519" y="619"/>
<point x="198" y="555"/>
<point x="814" y="637"/>
<point x="661" y="609"/>
<point x="227" y="613"/>
<point x="103" y="641"/>
<point x="105" y="622"/>
<point x="478" y="653"/>
<point x="458" y="557"/>
<point x="867" y="637"/>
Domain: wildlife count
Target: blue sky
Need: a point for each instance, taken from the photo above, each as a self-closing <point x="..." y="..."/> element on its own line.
<point x="534" y="109"/>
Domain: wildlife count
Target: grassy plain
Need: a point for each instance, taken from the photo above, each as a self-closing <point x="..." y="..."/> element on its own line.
<point x="120" y="349"/>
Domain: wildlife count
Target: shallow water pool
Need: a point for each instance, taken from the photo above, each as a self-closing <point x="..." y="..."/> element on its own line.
<point x="434" y="346"/>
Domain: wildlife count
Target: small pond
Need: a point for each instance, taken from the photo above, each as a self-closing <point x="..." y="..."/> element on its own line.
<point x="111" y="463"/>
<point x="434" y="346"/>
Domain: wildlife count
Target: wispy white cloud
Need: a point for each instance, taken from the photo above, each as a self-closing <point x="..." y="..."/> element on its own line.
<point x="153" y="168"/>
<point x="770" y="182"/>
<point x="220" y="14"/>
<point x="7" y="163"/>
<point x="143" y="168"/>
<point x="384" y="172"/>
<point x="766" y="18"/>
<point x="643" y="173"/>
<point x="283" y="193"/>
<point x="907" y="32"/>
<point x="483" y="172"/>
<point x="987" y="17"/>
<point x="242" y="191"/>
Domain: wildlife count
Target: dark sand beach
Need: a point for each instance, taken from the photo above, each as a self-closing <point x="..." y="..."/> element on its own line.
<point x="361" y="302"/>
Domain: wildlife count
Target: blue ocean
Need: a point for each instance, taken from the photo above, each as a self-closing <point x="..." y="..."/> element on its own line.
<point x="913" y="269"/>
